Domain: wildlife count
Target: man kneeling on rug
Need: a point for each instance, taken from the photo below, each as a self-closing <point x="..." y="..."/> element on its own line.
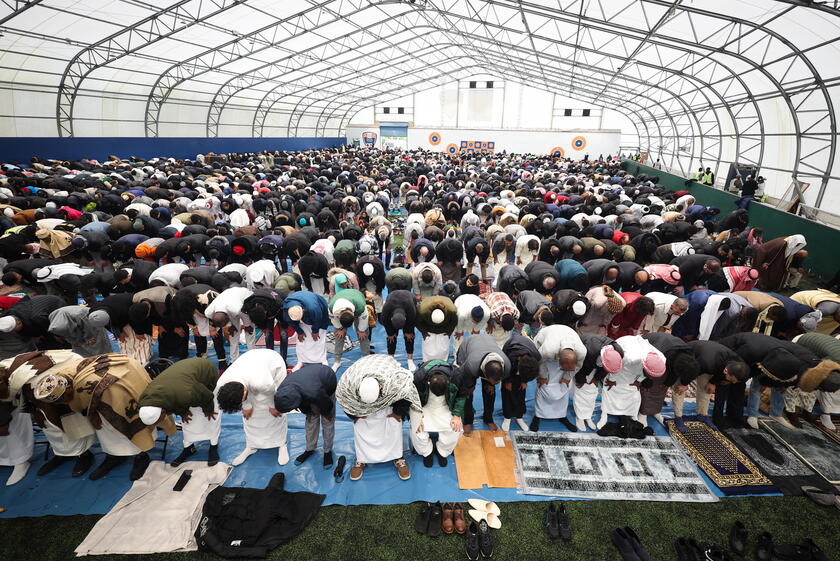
<point x="378" y="394"/>
<point x="443" y="400"/>
<point x="107" y="389"/>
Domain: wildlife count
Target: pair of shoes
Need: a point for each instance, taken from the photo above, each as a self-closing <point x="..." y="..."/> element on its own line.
<point x="629" y="545"/>
<point x="738" y="538"/>
<point x="568" y="424"/>
<point x="429" y="519"/>
<point x="478" y="541"/>
<point x="182" y="457"/>
<point x="485" y="511"/>
<point x="556" y="522"/>
<point x="402" y="469"/>
<point x="453" y="518"/>
<point x="821" y="497"/>
<point x="805" y="551"/>
<point x="52" y="464"/>
<point x="356" y="471"/>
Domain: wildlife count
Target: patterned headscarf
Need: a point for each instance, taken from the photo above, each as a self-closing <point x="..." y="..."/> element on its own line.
<point x="395" y="382"/>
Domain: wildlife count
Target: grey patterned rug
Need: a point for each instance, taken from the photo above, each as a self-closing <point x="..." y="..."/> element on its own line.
<point x="783" y="467"/>
<point x="594" y="467"/>
<point x="811" y="446"/>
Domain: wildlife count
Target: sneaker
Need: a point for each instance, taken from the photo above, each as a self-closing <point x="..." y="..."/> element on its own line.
<point x="550" y="522"/>
<point x="485" y="544"/>
<point x="563" y="523"/>
<point x="356" y="471"/>
<point x="473" y="550"/>
<point x="402" y="469"/>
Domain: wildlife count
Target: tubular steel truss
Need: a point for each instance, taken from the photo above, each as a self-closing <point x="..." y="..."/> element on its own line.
<point x="699" y="85"/>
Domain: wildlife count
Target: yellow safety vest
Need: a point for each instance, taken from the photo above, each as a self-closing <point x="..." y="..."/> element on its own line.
<point x="708" y="179"/>
<point x="696" y="176"/>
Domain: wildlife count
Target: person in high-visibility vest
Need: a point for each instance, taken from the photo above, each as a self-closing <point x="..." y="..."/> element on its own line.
<point x="708" y="177"/>
<point x="698" y="174"/>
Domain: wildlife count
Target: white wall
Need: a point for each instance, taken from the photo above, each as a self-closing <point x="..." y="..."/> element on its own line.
<point x="521" y="141"/>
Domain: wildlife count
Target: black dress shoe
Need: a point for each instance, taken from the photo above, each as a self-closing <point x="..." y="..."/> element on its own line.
<point x="640" y="550"/>
<point x="764" y="547"/>
<point x="213" y="455"/>
<point x="328" y="460"/>
<point x="182" y="457"/>
<point x="442" y="462"/>
<point x="473" y="550"/>
<point x="738" y="538"/>
<point x="109" y="463"/>
<point x="83" y="463"/>
<point x="622" y="543"/>
<point x="422" y="522"/>
<point x="485" y="544"/>
<point x="52" y="464"/>
<point x="435" y="517"/>
<point x="141" y="462"/>
<point x="303" y="457"/>
<point x="428" y="461"/>
<point x="806" y="551"/>
<point x="683" y="551"/>
<point x="564" y="523"/>
<point x="550" y="523"/>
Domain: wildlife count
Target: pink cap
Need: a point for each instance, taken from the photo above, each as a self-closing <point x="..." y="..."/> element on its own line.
<point x="611" y="360"/>
<point x="753" y="273"/>
<point x="654" y="365"/>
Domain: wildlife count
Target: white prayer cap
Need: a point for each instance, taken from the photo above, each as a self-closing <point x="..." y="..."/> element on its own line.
<point x="579" y="308"/>
<point x="369" y="390"/>
<point x="295" y="313"/>
<point x="8" y="324"/>
<point x="438" y="316"/>
<point x="149" y="414"/>
<point x="367" y="269"/>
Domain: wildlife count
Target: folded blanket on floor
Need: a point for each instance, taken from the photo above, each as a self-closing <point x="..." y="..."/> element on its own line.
<point x="151" y="517"/>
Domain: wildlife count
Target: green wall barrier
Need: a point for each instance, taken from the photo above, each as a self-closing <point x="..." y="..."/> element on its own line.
<point x="823" y="241"/>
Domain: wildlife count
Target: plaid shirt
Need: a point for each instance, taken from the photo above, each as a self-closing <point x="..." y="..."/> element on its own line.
<point x="500" y="304"/>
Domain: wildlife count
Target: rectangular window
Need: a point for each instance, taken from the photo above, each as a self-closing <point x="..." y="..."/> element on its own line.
<point x="401" y="110"/>
<point x="473" y="85"/>
<point x="489" y="85"/>
<point x="386" y="110"/>
<point x="567" y="112"/>
<point x="587" y="112"/>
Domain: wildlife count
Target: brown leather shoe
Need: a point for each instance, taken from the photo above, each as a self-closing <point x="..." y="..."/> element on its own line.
<point x="447" y="523"/>
<point x="458" y="518"/>
<point x="402" y="469"/>
<point x="356" y="471"/>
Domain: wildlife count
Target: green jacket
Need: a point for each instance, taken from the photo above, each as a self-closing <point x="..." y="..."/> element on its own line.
<point x="354" y="296"/>
<point x="456" y="398"/>
<point x="187" y="383"/>
<point x="824" y="346"/>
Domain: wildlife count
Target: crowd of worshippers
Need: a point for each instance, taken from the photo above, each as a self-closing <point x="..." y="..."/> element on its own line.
<point x="571" y="275"/>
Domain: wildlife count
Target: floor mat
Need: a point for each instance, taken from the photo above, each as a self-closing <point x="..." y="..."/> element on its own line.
<point x="728" y="468"/>
<point x="485" y="458"/>
<point x="811" y="446"/>
<point x="832" y="434"/>
<point x="780" y="465"/>
<point x="587" y="465"/>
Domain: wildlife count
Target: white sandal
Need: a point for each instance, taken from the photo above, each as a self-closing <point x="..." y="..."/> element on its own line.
<point x="492" y="519"/>
<point x="485" y="506"/>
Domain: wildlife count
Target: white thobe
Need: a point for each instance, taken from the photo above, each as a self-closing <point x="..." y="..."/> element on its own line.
<point x="585" y="397"/>
<point x="308" y="350"/>
<point x="552" y="399"/>
<point x="64" y="445"/>
<point x="261" y="371"/>
<point x="17" y="447"/>
<point x="624" y="398"/>
<point x="436" y="347"/>
<point x="200" y="428"/>
<point x="436" y="418"/>
<point x="378" y="438"/>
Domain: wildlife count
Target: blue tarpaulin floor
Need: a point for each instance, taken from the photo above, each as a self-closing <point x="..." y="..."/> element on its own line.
<point x="58" y="493"/>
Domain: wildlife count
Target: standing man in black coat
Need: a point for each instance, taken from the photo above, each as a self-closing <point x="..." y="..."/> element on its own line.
<point x="399" y="313"/>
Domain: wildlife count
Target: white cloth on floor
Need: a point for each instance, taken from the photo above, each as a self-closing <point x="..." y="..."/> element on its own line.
<point x="378" y="438"/>
<point x="308" y="350"/>
<point x="200" y="428"/>
<point x="436" y="347"/>
<point x="151" y="517"/>
<point x="115" y="443"/>
<point x="16" y="448"/>
<point x="62" y="445"/>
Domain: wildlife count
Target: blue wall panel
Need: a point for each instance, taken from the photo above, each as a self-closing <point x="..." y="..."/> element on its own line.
<point x="21" y="149"/>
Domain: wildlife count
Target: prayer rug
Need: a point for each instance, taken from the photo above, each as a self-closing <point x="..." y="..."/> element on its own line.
<point x="832" y="434"/>
<point x="811" y="446"/>
<point x="485" y="458"/>
<point x="584" y="465"/>
<point x="728" y="468"/>
<point x="780" y="465"/>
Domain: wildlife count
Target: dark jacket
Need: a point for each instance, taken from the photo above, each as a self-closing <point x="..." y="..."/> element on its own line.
<point x="538" y="271"/>
<point x="594" y="343"/>
<point x="691" y="269"/>
<point x="311" y="389"/>
<point x="424" y="315"/>
<point x="313" y="264"/>
<point x="456" y="395"/>
<point x="672" y="347"/>
<point x="472" y="352"/>
<point x="597" y="271"/>
<point x="516" y="347"/>
<point x="713" y="358"/>
<point x="34" y="314"/>
<point x="399" y="300"/>
<point x="508" y="275"/>
<point x="773" y="362"/>
<point x="188" y="383"/>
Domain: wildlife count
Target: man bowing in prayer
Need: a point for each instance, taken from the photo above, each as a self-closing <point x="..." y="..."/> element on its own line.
<point x="186" y="389"/>
<point x="249" y="385"/>
<point x="562" y="356"/>
<point x="378" y="394"/>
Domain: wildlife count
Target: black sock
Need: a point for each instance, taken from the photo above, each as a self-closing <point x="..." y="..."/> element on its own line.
<point x="568" y="424"/>
<point x="213" y="455"/>
<point x="303" y="457"/>
<point x="328" y="459"/>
